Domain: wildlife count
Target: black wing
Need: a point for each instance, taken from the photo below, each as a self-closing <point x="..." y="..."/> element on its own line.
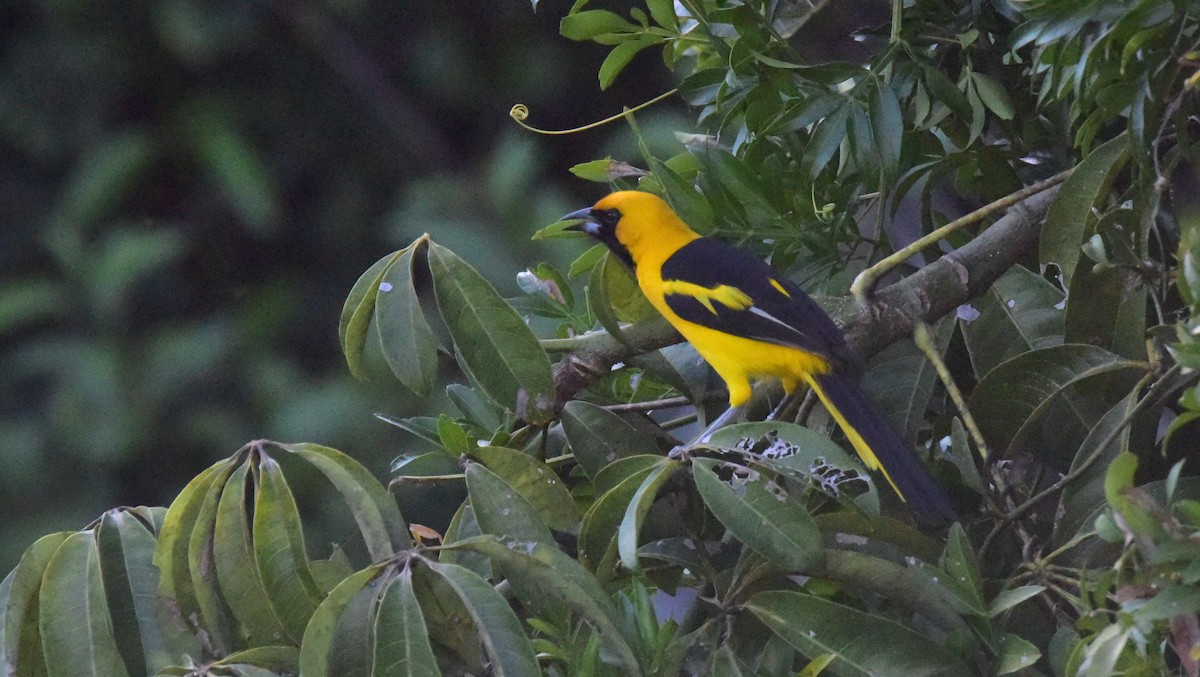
<point x="791" y="318"/>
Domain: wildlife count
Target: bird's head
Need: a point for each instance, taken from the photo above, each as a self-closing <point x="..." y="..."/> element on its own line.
<point x="630" y="223"/>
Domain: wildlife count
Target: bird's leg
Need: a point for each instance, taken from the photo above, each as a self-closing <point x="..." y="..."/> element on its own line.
<point x="731" y="414"/>
<point x="786" y="411"/>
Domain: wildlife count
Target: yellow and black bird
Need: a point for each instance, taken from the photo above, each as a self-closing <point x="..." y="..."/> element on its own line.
<point x="749" y="323"/>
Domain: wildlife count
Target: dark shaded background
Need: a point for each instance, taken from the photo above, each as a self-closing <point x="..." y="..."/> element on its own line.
<point x="188" y="189"/>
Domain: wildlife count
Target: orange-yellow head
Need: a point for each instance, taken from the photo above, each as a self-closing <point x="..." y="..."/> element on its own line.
<point x="636" y="226"/>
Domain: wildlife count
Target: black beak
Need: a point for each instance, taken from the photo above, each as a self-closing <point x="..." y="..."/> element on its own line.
<point x="587" y="221"/>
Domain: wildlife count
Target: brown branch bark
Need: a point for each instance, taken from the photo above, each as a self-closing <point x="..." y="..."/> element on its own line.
<point x="927" y="295"/>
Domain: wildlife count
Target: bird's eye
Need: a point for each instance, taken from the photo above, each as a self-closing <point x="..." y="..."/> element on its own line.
<point x="610" y="217"/>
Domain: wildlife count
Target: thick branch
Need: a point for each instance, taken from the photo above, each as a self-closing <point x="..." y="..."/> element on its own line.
<point x="927" y="295"/>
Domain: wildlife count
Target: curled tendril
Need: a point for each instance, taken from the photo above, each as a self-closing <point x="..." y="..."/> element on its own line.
<point x="520" y="113"/>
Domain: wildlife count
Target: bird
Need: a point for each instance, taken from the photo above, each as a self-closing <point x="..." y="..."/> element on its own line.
<point x="750" y="323"/>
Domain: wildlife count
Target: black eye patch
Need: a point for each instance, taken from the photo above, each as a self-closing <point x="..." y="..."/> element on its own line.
<point x="609" y="217"/>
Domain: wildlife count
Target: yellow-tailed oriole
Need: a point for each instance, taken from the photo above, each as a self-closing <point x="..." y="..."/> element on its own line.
<point x="749" y="323"/>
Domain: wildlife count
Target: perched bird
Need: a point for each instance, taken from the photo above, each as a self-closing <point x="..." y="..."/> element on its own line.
<point x="749" y="323"/>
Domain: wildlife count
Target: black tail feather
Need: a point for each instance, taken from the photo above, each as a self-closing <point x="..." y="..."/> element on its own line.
<point x="859" y="418"/>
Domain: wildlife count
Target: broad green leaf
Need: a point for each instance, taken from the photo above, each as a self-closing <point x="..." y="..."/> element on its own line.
<point x="236" y="571"/>
<point x="826" y="138"/>
<point x="1012" y="399"/>
<point x="401" y="639"/>
<point x="1020" y="312"/>
<point x="620" y="56"/>
<point x="126" y="548"/>
<point x="20" y="637"/>
<point x="901" y="379"/>
<point x="104" y="175"/>
<point x="279" y="550"/>
<point x="73" y="615"/>
<point x="464" y="526"/>
<point x="724" y="663"/>
<point x="591" y="23"/>
<point x="319" y="634"/>
<point x="781" y="531"/>
<point x="357" y="312"/>
<point x="639" y="505"/>
<point x="494" y="343"/>
<point x="500" y="632"/>
<point x="600" y="523"/>
<point x="352" y="651"/>
<point x="1011" y="597"/>
<point x="1016" y="654"/>
<point x="864" y="645"/>
<point x="1083" y="496"/>
<point x="887" y="126"/>
<point x="535" y="481"/>
<point x="663" y="12"/>
<point x="502" y="510"/>
<point x="217" y="618"/>
<point x="171" y="553"/>
<point x="993" y="95"/>
<point x="599" y="437"/>
<point x="566" y="579"/>
<point x="405" y="338"/>
<point x="1107" y="307"/>
<point x="1070" y="214"/>
<point x="962" y="570"/>
<point x="797" y="452"/>
<point x="263" y="661"/>
<point x="616" y="472"/>
<point x="375" y="511"/>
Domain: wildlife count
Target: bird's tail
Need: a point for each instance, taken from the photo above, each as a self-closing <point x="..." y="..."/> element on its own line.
<point x="881" y="447"/>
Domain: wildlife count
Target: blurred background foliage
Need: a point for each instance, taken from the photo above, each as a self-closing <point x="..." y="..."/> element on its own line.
<point x="188" y="189"/>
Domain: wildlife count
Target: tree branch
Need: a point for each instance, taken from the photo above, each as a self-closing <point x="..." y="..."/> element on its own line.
<point x="927" y="295"/>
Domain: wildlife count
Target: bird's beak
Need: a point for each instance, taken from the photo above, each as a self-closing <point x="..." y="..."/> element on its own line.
<point x="587" y="221"/>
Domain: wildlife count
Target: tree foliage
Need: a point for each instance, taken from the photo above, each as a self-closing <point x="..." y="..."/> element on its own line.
<point x="1058" y="403"/>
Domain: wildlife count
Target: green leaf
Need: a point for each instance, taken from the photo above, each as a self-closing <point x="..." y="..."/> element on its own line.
<point x="535" y="481"/>
<point x="20" y="637"/>
<point x="780" y="530"/>
<point x="1107" y="307"/>
<point x="77" y="633"/>
<point x="599" y="437"/>
<point x="104" y="176"/>
<point x="962" y="571"/>
<point x="1016" y="654"/>
<point x="826" y="138"/>
<point x="214" y="610"/>
<point x="237" y="572"/>
<point x="353" y="646"/>
<point x="1013" y="397"/>
<point x="279" y="550"/>
<point x="1020" y="312"/>
<point x="174" y="538"/>
<point x="401" y="639"/>
<point x="663" y="12"/>
<point x="500" y="633"/>
<point x="591" y="23"/>
<point x="405" y="338"/>
<point x="375" y="511"/>
<point x="900" y="381"/>
<point x="1011" y="597"/>
<point x="620" y="56"/>
<point x="639" y="505"/>
<point x="567" y="580"/>
<point x="863" y="645"/>
<point x="319" y="634"/>
<point x="887" y="126"/>
<point x="502" y="510"/>
<point x="1084" y="496"/>
<point x="494" y="343"/>
<point x="1070" y="214"/>
<point x="601" y="522"/>
<point x="993" y="95"/>
<point x="126" y="547"/>
<point x="358" y="310"/>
